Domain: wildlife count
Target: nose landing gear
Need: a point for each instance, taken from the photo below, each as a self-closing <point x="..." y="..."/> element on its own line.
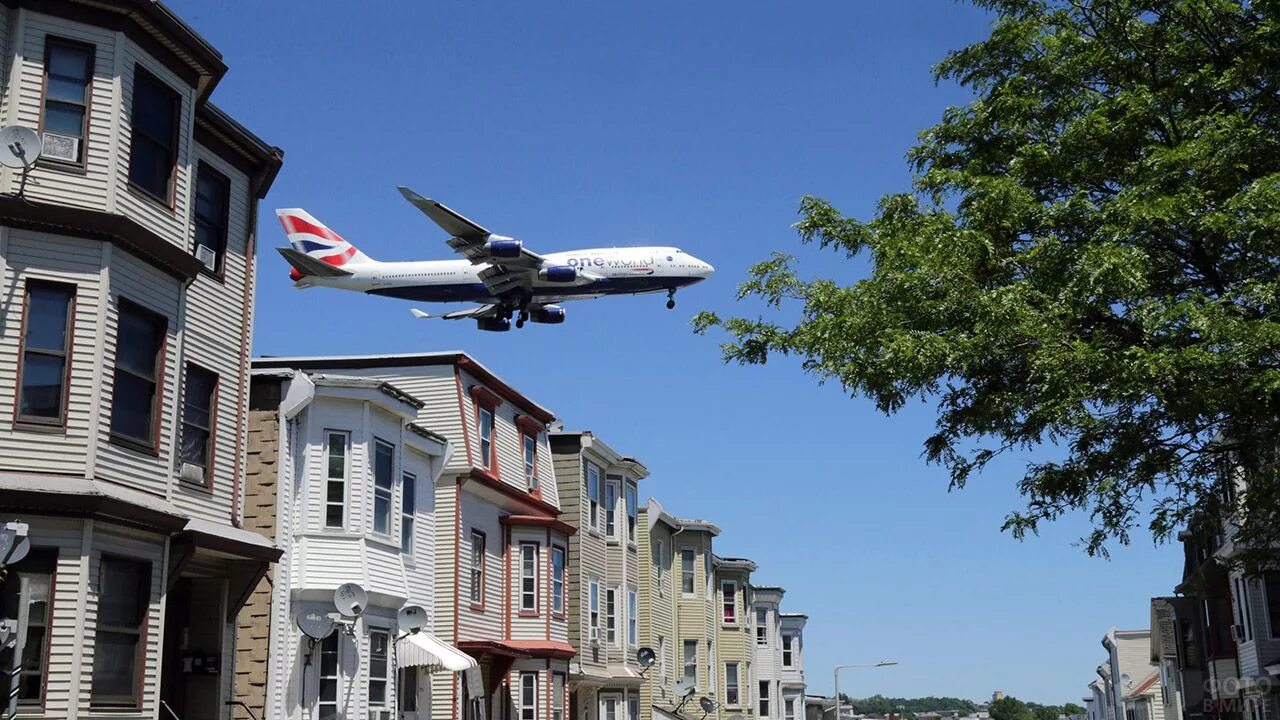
<point x="522" y="318"/>
<point x="671" y="299"/>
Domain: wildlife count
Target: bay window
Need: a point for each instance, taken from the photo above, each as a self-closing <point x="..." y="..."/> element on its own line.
<point x="528" y="578"/>
<point x="124" y="595"/>
<point x="138" y="378"/>
<point x="44" y="366"/>
<point x="384" y="455"/>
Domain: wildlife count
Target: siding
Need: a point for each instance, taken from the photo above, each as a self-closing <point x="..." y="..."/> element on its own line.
<point x="480" y="514"/>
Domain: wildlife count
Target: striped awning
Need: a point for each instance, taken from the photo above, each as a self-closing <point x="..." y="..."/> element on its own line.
<point x="422" y="649"/>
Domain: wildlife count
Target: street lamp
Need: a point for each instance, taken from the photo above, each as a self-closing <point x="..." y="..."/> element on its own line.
<point x="836" y="675"/>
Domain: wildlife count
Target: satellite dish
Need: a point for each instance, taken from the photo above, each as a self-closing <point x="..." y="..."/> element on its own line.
<point x="1126" y="680"/>
<point x="350" y="599"/>
<point x="13" y="547"/>
<point x="412" y="618"/>
<point x="707" y="704"/>
<point x="20" y="147"/>
<point x="684" y="689"/>
<point x="646" y="657"/>
<point x="314" y="624"/>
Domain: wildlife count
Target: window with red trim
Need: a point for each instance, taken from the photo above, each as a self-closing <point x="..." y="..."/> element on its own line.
<point x="26" y="594"/>
<point x="528" y="578"/>
<point x="139" y="375"/>
<point x="124" y="595"/>
<point x="477" y="569"/>
<point x="199" y="398"/>
<point x="44" y="365"/>
<point x="484" y="427"/>
<point x="557" y="580"/>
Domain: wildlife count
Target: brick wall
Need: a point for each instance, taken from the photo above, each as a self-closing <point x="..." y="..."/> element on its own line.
<point x="253" y="624"/>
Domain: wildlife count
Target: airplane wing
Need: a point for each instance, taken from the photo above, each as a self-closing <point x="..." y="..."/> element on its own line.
<point x="472" y="241"/>
<point x="479" y="311"/>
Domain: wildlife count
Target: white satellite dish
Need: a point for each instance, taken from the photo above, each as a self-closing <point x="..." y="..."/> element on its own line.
<point x="412" y="618"/>
<point x="350" y="599"/>
<point x="20" y="147"/>
<point x="314" y="624"/>
<point x="685" y="689"/>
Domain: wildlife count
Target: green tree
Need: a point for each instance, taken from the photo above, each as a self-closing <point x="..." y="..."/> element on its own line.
<point x="1046" y="712"/>
<point x="1085" y="266"/>
<point x="1072" y="709"/>
<point x="1010" y="708"/>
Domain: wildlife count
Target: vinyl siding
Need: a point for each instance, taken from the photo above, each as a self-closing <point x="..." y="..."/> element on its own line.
<point x="482" y="515"/>
<point x="51" y="257"/>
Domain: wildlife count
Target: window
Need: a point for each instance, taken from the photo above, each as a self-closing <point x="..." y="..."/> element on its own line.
<point x="691" y="662"/>
<point x="486" y="437"/>
<point x="335" y="493"/>
<point x="384" y="463"/>
<point x="762" y="626"/>
<point x="729" y="591"/>
<point x="611" y="506"/>
<point x="407" y="689"/>
<point x="609" y="707"/>
<point x="68" y="71"/>
<point x="632" y="512"/>
<point x="197" y="419"/>
<point x="611" y="615"/>
<point x="789" y="710"/>
<point x="1240" y="591"/>
<point x="686" y="571"/>
<point x="593" y="619"/>
<point x="660" y="566"/>
<point x="140" y="336"/>
<point x="212" y="212"/>
<point x="557" y="696"/>
<point x="786" y="650"/>
<point x="557" y="580"/>
<point x="528" y="578"/>
<point x="46" y="350"/>
<point x="477" y="569"/>
<point x="408" y="506"/>
<point x="1271" y="585"/>
<point x="662" y="657"/>
<point x="528" y="696"/>
<point x="379" y="672"/>
<point x="732" y="694"/>
<point x="124" y="594"/>
<point x="593" y="495"/>
<point x="530" y="462"/>
<point x="25" y="596"/>
<point x="633" y="706"/>
<point x="763" y="698"/>
<point x="633" y="615"/>
<point x="153" y="144"/>
<point x="327" y="695"/>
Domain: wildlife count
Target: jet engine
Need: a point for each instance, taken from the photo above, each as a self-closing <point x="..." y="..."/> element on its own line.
<point x="547" y="314"/>
<point x="558" y="274"/>
<point x="503" y="247"/>
<point x="493" y="324"/>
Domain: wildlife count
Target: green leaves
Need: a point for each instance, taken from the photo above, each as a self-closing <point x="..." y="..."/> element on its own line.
<point x="1087" y="263"/>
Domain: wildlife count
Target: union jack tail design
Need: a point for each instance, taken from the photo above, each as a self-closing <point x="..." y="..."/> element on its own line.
<point x="309" y="235"/>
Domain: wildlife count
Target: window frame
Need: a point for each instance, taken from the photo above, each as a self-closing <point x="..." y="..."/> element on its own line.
<point x="611" y="635"/>
<point x="788" y="641"/>
<point x="204" y="169"/>
<point x="729" y="602"/>
<point x="478" y="576"/>
<point x="68" y="348"/>
<point x="527" y="575"/>
<point x="690" y="573"/>
<point x="211" y="441"/>
<point x="762" y="626"/>
<point x="329" y="480"/>
<point x="559" y="682"/>
<point x="593" y="608"/>
<point x="47" y="556"/>
<point x="1272" y="602"/>
<point x="660" y="567"/>
<point x="528" y="684"/>
<point x="50" y="40"/>
<point x="631" y="500"/>
<point x="684" y="676"/>
<point x="169" y="201"/>
<point x="408" y="510"/>
<point x="763" y="698"/>
<point x="733" y="690"/>
<point x="559" y="597"/>
<point x="488" y="460"/>
<point x="150" y="446"/>
<point x="612" y="486"/>
<point x="387" y="678"/>
<point x="633" y="617"/>
<point x="593" y="494"/>
<point x="529" y="457"/>
<point x="336" y="677"/>
<point x="389" y="492"/>
<point x="142" y="632"/>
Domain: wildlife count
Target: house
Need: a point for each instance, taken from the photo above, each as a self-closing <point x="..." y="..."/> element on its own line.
<point x="1131" y="680"/>
<point x="791" y="680"/>
<point x="342" y="476"/>
<point x="500" y="548"/>
<point x="1169" y="652"/>
<point x="128" y="272"/>
<point x="766" y="616"/>
<point x="678" y="617"/>
<point x="598" y="490"/>
<point x="1208" y="660"/>
<point x="735" y="642"/>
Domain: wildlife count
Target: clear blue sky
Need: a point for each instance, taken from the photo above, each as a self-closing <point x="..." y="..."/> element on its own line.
<point x="700" y="125"/>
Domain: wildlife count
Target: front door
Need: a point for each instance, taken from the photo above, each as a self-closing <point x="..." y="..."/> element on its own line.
<point x="191" y="675"/>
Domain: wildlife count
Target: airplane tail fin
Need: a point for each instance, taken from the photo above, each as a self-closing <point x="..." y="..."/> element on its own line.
<point x="315" y="241"/>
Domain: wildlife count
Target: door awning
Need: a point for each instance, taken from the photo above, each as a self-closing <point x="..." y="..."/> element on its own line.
<point x="426" y="650"/>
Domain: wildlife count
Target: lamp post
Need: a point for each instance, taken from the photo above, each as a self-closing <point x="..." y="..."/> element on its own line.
<point x="836" y="676"/>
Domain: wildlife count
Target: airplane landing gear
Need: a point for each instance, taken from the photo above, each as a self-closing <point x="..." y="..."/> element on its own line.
<point x="671" y="299"/>
<point x="522" y="318"/>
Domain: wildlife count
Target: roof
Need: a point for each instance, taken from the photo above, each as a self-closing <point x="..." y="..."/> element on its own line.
<point x="1144" y="686"/>
<point x="698" y="525"/>
<point x="457" y="358"/>
<point x="577" y="440"/>
<point x="353" y="381"/>
<point x="735" y="563"/>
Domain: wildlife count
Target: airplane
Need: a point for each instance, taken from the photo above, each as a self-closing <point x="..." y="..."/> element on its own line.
<point x="497" y="272"/>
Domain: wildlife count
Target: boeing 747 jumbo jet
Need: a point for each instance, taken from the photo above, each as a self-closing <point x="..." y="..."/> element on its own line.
<point x="498" y="272"/>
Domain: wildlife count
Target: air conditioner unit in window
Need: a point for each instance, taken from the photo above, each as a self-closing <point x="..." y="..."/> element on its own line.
<point x="61" y="147"/>
<point x="1237" y="633"/>
<point x="595" y="636"/>
<point x="192" y="473"/>
<point x="206" y="255"/>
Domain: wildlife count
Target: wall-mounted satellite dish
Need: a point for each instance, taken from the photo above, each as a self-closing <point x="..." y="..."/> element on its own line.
<point x="412" y="618"/>
<point x="646" y="657"/>
<point x="350" y="599"/>
<point x="20" y="147"/>
<point x="684" y="689"/>
<point x="314" y="624"/>
<point x="707" y="704"/>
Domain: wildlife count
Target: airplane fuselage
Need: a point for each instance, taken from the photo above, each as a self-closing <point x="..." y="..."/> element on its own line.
<point x="601" y="271"/>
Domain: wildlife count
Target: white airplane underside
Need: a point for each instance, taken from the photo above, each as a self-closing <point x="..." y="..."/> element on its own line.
<point x="498" y="272"/>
